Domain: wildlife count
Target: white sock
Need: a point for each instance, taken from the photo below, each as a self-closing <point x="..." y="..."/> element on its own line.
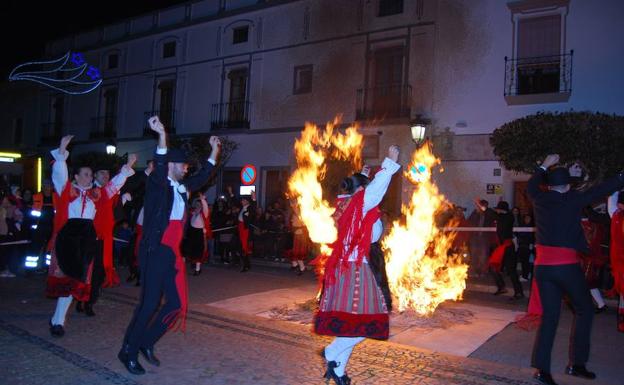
<point x="197" y="266"/>
<point x="595" y="293"/>
<point x="62" y="305"/>
<point x="301" y="265"/>
<point x="340" y="351"/>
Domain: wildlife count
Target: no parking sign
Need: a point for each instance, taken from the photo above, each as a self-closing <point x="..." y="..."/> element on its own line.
<point x="248" y="175"/>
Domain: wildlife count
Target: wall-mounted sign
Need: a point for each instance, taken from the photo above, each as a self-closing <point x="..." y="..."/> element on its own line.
<point x="494" y="188"/>
<point x="248" y="175"/>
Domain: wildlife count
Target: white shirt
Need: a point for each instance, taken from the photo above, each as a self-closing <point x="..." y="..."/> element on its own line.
<point x="83" y="207"/>
<point x="373" y="194"/>
<point x="178" y="207"/>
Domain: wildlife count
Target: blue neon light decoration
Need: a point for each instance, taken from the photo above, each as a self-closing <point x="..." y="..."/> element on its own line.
<point x="66" y="74"/>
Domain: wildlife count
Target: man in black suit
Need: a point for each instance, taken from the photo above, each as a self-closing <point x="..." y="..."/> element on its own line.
<point x="161" y="264"/>
<point x="559" y="239"/>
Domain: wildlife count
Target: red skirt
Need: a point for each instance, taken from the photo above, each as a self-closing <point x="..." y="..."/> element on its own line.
<point x="353" y="306"/>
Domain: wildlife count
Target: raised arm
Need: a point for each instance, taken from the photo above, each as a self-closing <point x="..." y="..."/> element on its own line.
<point x="602" y="190"/>
<point x="612" y="203"/>
<point x="60" y="175"/>
<point x="197" y="181"/>
<point x="159" y="175"/>
<point x="538" y="176"/>
<point x="115" y="184"/>
<point x="375" y="191"/>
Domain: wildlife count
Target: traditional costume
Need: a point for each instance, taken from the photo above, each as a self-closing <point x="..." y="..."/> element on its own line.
<point x="616" y="210"/>
<point x="73" y="252"/>
<point x="559" y="238"/>
<point x="301" y="244"/>
<point x="161" y="263"/>
<point x="352" y="305"/>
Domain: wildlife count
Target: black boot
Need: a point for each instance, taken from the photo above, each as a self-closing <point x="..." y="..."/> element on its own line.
<point x="580" y="371"/>
<point x="148" y="353"/>
<point x="544" y="378"/>
<point x="132" y="364"/>
<point x="88" y="309"/>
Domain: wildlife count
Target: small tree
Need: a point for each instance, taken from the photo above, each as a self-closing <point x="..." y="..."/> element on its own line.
<point x="198" y="149"/>
<point x="594" y="140"/>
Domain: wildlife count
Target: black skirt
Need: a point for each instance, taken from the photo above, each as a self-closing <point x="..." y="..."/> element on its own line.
<point x="75" y="248"/>
<point x="193" y="247"/>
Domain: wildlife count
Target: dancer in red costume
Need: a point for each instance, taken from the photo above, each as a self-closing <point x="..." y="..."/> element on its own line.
<point x="74" y="235"/>
<point x="616" y="211"/>
<point x="104" y="274"/>
<point x="352" y="304"/>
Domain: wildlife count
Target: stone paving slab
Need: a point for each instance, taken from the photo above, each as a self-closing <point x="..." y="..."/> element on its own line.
<point x="220" y="347"/>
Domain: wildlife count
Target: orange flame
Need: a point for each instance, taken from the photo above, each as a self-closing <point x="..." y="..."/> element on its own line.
<point x="420" y="272"/>
<point x="312" y="150"/>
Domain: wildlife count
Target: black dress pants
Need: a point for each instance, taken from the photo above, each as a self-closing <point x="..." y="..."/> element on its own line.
<point x="553" y="281"/>
<point x="510" y="266"/>
<point x="158" y="274"/>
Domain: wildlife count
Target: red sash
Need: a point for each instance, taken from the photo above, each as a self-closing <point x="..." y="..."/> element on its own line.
<point x="496" y="259"/>
<point x="173" y="238"/>
<point x="104" y="223"/>
<point x="617" y="250"/>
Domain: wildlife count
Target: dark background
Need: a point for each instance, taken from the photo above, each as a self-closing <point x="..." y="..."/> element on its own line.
<point x="27" y="25"/>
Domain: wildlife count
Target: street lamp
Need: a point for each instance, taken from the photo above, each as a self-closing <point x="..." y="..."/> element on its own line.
<point x="111" y="148"/>
<point x="418" y="126"/>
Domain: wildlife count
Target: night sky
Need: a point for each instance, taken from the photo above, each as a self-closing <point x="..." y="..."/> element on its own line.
<point x="27" y="25"/>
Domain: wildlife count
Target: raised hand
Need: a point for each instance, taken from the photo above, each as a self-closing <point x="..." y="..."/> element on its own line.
<point x="156" y="125"/>
<point x="215" y="142"/>
<point x="393" y="152"/>
<point x="550" y="160"/>
<point x="132" y="158"/>
<point x="64" y="143"/>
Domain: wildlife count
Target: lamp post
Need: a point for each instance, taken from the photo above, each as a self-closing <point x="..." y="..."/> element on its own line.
<point x="111" y="148"/>
<point x="418" y="127"/>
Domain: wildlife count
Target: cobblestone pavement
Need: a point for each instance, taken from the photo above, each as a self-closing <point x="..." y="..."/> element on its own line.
<point x="220" y="347"/>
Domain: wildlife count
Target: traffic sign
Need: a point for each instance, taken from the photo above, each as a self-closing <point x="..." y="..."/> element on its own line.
<point x="248" y="174"/>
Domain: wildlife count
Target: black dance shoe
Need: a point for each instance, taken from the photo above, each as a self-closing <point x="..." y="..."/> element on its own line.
<point x="329" y="372"/>
<point x="88" y="309"/>
<point x="517" y="296"/>
<point x="544" y="378"/>
<point x="131" y="365"/>
<point x="500" y="291"/>
<point x="599" y="310"/>
<point x="56" y="330"/>
<point x="580" y="371"/>
<point x="148" y="353"/>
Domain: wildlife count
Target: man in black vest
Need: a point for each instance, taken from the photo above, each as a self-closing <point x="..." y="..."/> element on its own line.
<point x="559" y="238"/>
<point x="161" y="264"/>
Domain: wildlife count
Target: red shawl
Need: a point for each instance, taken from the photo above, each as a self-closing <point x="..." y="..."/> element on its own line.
<point x="617" y="250"/>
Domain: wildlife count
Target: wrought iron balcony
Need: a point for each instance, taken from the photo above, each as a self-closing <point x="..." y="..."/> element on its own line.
<point x="167" y="117"/>
<point x="234" y="114"/>
<point x="103" y="127"/>
<point x="538" y="75"/>
<point x="384" y="102"/>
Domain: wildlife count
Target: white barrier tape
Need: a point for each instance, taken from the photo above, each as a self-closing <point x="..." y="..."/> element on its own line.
<point x="15" y="242"/>
<point x="223" y="228"/>
<point x="491" y="229"/>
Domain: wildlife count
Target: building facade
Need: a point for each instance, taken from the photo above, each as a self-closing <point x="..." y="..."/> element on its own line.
<point x="256" y="71"/>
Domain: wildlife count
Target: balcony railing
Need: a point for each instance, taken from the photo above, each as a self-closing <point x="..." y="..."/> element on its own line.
<point x="167" y="117"/>
<point x="538" y="75"/>
<point x="230" y="115"/>
<point x="103" y="127"/>
<point x="384" y="102"/>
